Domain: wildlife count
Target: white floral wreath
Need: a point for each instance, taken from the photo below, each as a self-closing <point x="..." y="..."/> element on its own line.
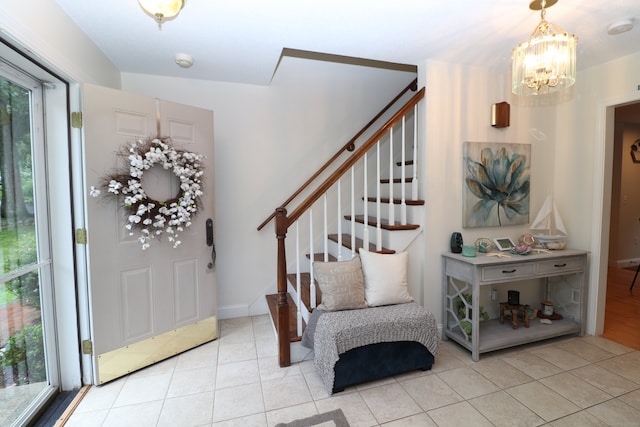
<point x="151" y="218"/>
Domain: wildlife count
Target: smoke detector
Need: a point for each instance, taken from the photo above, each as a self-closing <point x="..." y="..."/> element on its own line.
<point x="184" y="60"/>
<point x="620" y="26"/>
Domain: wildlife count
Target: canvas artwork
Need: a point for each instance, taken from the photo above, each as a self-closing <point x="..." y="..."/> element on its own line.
<point x="496" y="184"/>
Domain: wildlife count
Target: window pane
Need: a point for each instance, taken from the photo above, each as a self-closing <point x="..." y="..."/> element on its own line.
<point x="22" y="360"/>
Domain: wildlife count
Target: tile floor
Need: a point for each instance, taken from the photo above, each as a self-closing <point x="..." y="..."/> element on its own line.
<point x="236" y="381"/>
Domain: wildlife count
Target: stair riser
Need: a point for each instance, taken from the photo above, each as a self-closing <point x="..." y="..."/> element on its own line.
<point x="397" y="190"/>
<point x="397" y="240"/>
<point x="414" y="212"/>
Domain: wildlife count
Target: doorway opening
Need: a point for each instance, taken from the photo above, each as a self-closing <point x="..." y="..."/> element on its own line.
<point x="624" y="230"/>
<point x="37" y="276"/>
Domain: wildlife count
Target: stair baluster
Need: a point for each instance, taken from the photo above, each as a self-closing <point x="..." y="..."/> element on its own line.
<point x="403" y="177"/>
<point x="414" y="181"/>
<point x="339" y="215"/>
<point x="353" y="211"/>
<point x="378" y="201"/>
<point x="298" y="283"/>
<point x="312" y="283"/>
<point x="365" y="190"/>
<point x="391" y="215"/>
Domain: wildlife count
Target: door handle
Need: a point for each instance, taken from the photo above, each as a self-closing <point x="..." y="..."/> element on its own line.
<point x="209" y="227"/>
<point x="209" y="233"/>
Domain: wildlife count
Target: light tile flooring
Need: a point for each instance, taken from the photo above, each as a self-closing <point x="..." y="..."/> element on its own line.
<point x="236" y="381"/>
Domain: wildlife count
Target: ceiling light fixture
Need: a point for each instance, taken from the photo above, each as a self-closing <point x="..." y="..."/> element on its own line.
<point x="546" y="62"/>
<point x="161" y="10"/>
<point x="620" y="26"/>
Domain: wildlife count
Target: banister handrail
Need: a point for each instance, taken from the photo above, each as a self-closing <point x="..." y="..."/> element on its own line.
<point x="349" y="146"/>
<point x="333" y="178"/>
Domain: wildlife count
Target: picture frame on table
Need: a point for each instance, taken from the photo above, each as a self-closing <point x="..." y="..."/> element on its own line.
<point x="504" y="243"/>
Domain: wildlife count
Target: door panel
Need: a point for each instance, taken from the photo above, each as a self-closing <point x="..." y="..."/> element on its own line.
<point x="143" y="299"/>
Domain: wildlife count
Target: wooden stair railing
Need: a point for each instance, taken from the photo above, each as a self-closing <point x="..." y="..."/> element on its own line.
<point x="349" y="146"/>
<point x="283" y="221"/>
<point x="357" y="154"/>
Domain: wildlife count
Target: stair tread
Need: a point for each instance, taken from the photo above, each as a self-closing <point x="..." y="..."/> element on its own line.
<point x="396" y="180"/>
<point x="346" y="242"/>
<point x="409" y="202"/>
<point x="406" y="163"/>
<point x="384" y="223"/>
<point x="272" y="302"/>
<point x="320" y="257"/>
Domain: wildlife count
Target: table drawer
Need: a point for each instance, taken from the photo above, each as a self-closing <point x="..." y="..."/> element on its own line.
<point x="507" y="271"/>
<point x="561" y="265"/>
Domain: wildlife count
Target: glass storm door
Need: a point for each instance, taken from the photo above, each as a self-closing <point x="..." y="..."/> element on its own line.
<point x="24" y="245"/>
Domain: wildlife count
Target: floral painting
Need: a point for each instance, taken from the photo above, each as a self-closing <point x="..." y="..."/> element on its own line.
<point x="496" y="184"/>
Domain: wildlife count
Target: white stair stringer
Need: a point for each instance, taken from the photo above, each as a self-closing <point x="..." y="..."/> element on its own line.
<point x="299" y="353"/>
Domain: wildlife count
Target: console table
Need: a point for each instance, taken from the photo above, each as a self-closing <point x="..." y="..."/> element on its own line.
<point x="561" y="277"/>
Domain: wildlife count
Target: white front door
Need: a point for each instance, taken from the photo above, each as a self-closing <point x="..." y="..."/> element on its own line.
<point x="146" y="304"/>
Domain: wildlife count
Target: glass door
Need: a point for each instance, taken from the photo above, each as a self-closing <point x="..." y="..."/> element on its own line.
<point x="25" y="262"/>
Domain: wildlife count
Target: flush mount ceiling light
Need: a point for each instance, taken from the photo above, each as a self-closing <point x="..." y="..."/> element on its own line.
<point x="620" y="26"/>
<point x="546" y="62"/>
<point x="162" y="10"/>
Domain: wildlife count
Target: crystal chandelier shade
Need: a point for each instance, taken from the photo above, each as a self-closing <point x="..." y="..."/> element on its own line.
<point x="546" y="62"/>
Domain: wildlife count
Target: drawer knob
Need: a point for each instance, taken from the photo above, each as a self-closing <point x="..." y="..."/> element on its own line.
<point x="560" y="265"/>
<point x="509" y="271"/>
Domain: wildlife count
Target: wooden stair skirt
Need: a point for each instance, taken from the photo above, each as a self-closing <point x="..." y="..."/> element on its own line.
<point x="272" y="302"/>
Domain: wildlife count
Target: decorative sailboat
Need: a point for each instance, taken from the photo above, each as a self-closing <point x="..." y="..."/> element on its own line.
<point x="552" y="232"/>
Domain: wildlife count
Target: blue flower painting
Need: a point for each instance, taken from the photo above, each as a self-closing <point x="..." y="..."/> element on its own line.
<point x="496" y="184"/>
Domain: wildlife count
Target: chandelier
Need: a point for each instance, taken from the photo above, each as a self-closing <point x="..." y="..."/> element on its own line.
<point x="161" y="10"/>
<point x="546" y="62"/>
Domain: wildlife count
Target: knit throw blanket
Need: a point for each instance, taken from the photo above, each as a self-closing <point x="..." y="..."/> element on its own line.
<point x="337" y="332"/>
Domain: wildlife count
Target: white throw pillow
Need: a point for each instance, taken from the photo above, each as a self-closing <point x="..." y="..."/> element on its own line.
<point x="385" y="278"/>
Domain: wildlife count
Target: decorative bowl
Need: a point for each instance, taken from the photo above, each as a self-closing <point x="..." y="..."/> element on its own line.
<point x="521" y="250"/>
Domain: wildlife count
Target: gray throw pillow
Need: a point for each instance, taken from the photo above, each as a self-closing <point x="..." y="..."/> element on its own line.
<point x="341" y="284"/>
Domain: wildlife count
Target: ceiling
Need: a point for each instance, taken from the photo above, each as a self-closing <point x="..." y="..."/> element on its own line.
<point x="243" y="40"/>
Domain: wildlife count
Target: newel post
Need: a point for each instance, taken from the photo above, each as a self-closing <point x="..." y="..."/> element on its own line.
<point x="284" y="349"/>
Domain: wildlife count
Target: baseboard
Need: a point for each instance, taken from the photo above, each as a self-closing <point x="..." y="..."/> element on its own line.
<point x="258" y="308"/>
<point x="625" y="263"/>
<point x="233" y="311"/>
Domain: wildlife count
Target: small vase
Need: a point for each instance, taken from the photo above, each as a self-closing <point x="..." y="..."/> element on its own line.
<point x="456" y="243"/>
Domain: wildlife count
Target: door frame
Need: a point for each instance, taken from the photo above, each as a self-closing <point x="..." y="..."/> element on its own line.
<point x="79" y="219"/>
<point x="60" y="323"/>
<point x="602" y="177"/>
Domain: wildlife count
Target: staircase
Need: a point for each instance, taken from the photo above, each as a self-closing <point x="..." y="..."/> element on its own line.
<point x="368" y="198"/>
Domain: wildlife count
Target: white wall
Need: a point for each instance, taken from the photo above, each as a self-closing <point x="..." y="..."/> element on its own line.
<point x="53" y="37"/>
<point x="572" y="148"/>
<point x="587" y="129"/>
<point x="458" y="109"/>
<point x="268" y="141"/>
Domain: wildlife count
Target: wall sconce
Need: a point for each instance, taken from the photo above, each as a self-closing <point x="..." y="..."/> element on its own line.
<point x="500" y="115"/>
<point x="635" y="151"/>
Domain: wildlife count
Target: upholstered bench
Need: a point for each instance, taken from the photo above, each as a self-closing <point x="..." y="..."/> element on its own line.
<point x="368" y="326"/>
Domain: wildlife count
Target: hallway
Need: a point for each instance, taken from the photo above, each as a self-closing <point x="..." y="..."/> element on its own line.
<point x="622" y="310"/>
